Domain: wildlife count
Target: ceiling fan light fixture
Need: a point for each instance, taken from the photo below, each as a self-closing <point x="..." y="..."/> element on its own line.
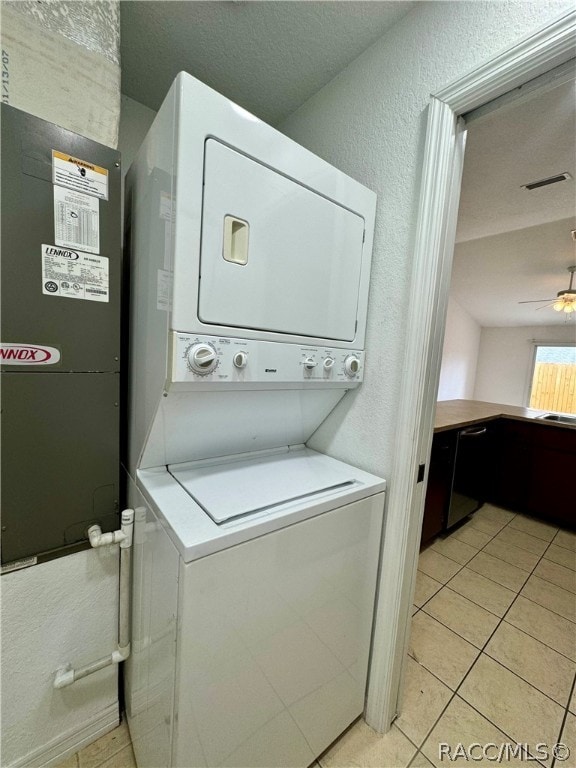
<point x="566" y="302"/>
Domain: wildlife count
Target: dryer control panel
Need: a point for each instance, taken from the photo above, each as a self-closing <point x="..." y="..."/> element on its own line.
<point x="212" y="360"/>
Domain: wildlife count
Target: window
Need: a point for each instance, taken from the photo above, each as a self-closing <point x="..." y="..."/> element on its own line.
<point x="554" y="378"/>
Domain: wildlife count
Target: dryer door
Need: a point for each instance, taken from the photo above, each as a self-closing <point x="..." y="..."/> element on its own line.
<point x="275" y="255"/>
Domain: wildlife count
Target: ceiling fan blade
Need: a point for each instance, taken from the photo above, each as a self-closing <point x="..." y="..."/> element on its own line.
<point x="546" y="306"/>
<point x="535" y="301"/>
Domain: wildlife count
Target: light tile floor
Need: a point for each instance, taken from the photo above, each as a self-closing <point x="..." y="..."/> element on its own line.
<point x="114" y="750"/>
<point x="492" y="655"/>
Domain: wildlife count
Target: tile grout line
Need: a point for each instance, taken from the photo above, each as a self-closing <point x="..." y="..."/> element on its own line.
<point x="518" y="594"/>
<point x="537" y="638"/>
<point x="409" y="763"/>
<point x="548" y="582"/>
<point x="452" y="691"/>
<point x="530" y="573"/>
<point x="569" y="549"/>
<point x="480" y="574"/>
<point x="570" y="592"/>
<point x="500" y="620"/>
<point x="565" y="718"/>
<point x="427" y="734"/>
<point x="503" y="618"/>
<point x="482" y="650"/>
<point x="508" y="525"/>
<point x="462" y="565"/>
<point x="524" y="679"/>
<point x="561" y="564"/>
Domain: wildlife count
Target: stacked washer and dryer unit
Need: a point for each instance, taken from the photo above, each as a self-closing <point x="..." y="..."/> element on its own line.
<point x="255" y="557"/>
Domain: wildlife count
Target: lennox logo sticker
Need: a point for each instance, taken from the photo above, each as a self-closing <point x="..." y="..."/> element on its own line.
<point x="28" y="354"/>
<point x="51" y="250"/>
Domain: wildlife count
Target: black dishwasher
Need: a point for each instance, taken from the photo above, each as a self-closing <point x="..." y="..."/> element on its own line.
<point x="471" y="472"/>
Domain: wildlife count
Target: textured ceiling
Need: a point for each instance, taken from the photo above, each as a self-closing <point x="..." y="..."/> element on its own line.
<point x="492" y="274"/>
<point x="514" y="245"/>
<point x="513" y="146"/>
<point x="267" y="56"/>
<point x="270" y="57"/>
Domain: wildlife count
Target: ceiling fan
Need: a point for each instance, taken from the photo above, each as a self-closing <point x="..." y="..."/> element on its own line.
<point x="565" y="301"/>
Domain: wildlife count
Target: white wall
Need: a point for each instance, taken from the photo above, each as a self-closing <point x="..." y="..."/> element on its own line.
<point x="63" y="611"/>
<point x="459" y="355"/>
<point x="135" y="120"/>
<point x="63" y="67"/>
<point x="61" y="62"/>
<point x="505" y="360"/>
<point x="370" y="121"/>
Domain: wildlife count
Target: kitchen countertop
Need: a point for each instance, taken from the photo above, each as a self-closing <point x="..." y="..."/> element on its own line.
<point x="453" y="414"/>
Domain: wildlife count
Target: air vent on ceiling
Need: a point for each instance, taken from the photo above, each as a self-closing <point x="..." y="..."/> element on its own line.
<point x="546" y="182"/>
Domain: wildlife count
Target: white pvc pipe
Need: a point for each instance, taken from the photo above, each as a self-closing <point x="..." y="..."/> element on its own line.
<point x="67" y="675"/>
<point x="124" y="601"/>
<point x="99" y="539"/>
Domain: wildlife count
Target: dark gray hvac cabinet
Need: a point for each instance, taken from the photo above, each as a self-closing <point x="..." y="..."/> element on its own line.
<point x="60" y="420"/>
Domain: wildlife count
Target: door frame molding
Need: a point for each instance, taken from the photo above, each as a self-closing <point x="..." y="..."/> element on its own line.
<point x="552" y="46"/>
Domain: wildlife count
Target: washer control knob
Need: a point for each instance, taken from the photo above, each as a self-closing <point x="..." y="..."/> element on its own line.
<point x="328" y="364"/>
<point x="240" y="359"/>
<point x="202" y="358"/>
<point x="310" y="363"/>
<point x="351" y="366"/>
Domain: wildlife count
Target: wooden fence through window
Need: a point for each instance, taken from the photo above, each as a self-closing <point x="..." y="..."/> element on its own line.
<point x="554" y="387"/>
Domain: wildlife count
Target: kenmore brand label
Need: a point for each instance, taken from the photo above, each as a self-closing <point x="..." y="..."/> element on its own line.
<point x="28" y="354"/>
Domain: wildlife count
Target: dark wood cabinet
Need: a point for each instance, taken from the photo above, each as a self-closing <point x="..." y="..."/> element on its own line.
<point x="552" y="480"/>
<point x="524" y="466"/>
<point x="536" y="470"/>
<point x="439" y="484"/>
<point x="512" y="463"/>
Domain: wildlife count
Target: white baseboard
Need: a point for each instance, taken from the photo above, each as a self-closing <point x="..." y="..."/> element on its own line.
<point x="57" y="750"/>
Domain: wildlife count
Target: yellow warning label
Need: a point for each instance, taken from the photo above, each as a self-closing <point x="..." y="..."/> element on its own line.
<point x="79" y="175"/>
<point x="77" y="161"/>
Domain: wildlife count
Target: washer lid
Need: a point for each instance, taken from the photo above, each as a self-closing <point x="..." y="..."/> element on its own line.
<point x="242" y="487"/>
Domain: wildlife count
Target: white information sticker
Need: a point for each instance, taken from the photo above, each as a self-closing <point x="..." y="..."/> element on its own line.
<point x="167" y="214"/>
<point x="79" y="175"/>
<point x="76" y="220"/>
<point x="74" y="275"/>
<point x="166" y="206"/>
<point x="164" y="290"/>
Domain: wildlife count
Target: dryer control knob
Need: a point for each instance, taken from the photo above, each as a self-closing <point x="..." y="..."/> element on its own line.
<point x="328" y="364"/>
<point x="202" y="358"/>
<point x="240" y="359"/>
<point x="310" y="363"/>
<point x="351" y="366"/>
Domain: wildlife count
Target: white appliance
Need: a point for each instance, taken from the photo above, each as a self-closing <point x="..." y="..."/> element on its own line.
<point x="255" y="557"/>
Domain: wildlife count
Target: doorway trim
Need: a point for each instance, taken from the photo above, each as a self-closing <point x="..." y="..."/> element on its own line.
<point x="552" y="46"/>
